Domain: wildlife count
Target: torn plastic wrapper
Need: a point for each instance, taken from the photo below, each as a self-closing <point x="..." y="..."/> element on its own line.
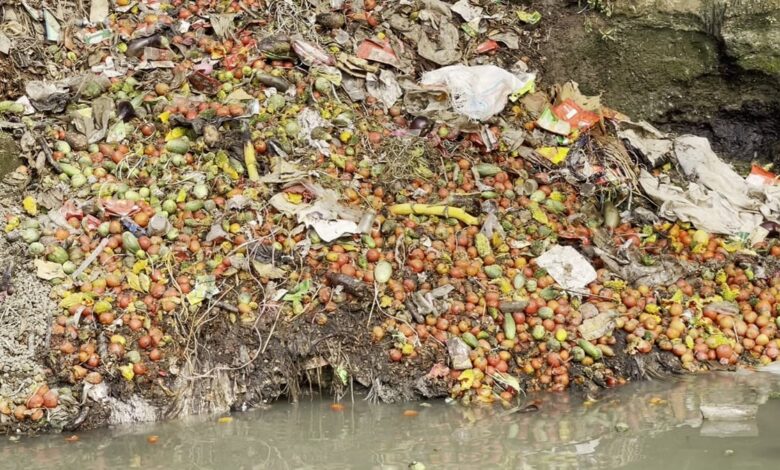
<point x="436" y="36"/>
<point x="268" y="270"/>
<point x="238" y="95"/>
<point x="459" y="352"/>
<point x="706" y="210"/>
<point x="329" y="218"/>
<point x="5" y="43"/>
<point x="28" y="107"/>
<point x="223" y="24"/>
<point x="467" y="11"/>
<point x="571" y="91"/>
<point x="717" y="199"/>
<point x="375" y="51"/>
<point x="700" y="163"/>
<point x="93" y="122"/>
<point x="478" y="92"/>
<point x="575" y="115"/>
<point x="487" y="46"/>
<point x="354" y="87"/>
<point x="156" y="58"/>
<point x="136" y="47"/>
<point x="109" y="68"/>
<point x="309" y="120"/>
<point x="384" y="88"/>
<point x="472" y="16"/>
<point x="48" y="96"/>
<point x="443" y="51"/>
<point x="507" y="38"/>
<point x="52" y="27"/>
<point x="487" y="138"/>
<point x="97" y="37"/>
<point x="434" y="105"/>
<point x="98" y="11"/>
<point x="311" y="54"/>
<point x="529" y="17"/>
<point x="155" y="54"/>
<point x="761" y="177"/>
<point x="329" y="73"/>
<point x="568" y="267"/>
<point x="216" y="233"/>
<point x="645" y="138"/>
<point x="550" y="123"/>
<point x="205" y="288"/>
<point x="556" y="155"/>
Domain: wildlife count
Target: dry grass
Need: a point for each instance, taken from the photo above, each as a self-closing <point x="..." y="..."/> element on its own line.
<point x="400" y="160"/>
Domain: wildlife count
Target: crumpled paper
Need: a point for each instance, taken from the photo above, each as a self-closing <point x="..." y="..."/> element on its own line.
<point x="717" y="200"/>
<point x="568" y="267"/>
<point x="326" y="215"/>
<point x="706" y="210"/>
<point x="647" y="139"/>
<point x="439" y="41"/>
<point x="384" y="88"/>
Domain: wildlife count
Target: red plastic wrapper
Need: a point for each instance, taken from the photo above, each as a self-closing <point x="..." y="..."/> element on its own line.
<point x="761" y="177"/>
<point x="376" y="51"/>
<point x="577" y="117"/>
<point x="487" y="46"/>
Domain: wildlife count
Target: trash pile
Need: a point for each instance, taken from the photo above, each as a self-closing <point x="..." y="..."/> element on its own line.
<point x="390" y="161"/>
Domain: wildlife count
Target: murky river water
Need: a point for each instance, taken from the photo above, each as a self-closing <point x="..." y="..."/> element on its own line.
<point x="647" y="425"/>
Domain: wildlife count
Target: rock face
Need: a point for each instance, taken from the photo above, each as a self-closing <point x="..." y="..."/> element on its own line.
<point x="749" y="30"/>
<point x="707" y="66"/>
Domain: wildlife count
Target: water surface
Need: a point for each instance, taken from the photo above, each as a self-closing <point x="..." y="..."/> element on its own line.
<point x="641" y="426"/>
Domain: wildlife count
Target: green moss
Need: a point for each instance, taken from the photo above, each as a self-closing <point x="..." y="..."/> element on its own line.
<point x="762" y="63"/>
<point x="9" y="154"/>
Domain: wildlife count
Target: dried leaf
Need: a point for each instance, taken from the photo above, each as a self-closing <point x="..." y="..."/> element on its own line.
<point x="48" y="270"/>
<point x="134" y="282"/>
<point x="466" y="379"/>
<point x="268" y="270"/>
<point x="140" y="266"/>
<point x="539" y="214"/>
<point x="507" y="380"/>
<point x="146" y="282"/>
<point x="72" y="299"/>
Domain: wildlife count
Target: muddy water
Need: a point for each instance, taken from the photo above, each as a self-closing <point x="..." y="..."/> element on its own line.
<point x="638" y="426"/>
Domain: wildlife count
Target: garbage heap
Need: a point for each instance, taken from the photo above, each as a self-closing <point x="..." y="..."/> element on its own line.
<point x="241" y="194"/>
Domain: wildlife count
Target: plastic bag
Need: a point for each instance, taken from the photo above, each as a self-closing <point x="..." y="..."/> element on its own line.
<point x="478" y="92"/>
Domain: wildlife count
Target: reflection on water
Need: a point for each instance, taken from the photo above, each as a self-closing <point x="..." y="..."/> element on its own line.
<point x="638" y="426"/>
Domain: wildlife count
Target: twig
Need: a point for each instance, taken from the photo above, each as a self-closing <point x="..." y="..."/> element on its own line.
<point x="586" y="294"/>
<point x="90" y="259"/>
<point x="47" y="151"/>
<point x="49" y="318"/>
<point x="373" y="304"/>
<point x="273" y="328"/>
<point x="226" y="306"/>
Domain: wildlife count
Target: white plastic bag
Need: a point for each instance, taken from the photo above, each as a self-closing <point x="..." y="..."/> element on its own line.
<point x="478" y="92"/>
